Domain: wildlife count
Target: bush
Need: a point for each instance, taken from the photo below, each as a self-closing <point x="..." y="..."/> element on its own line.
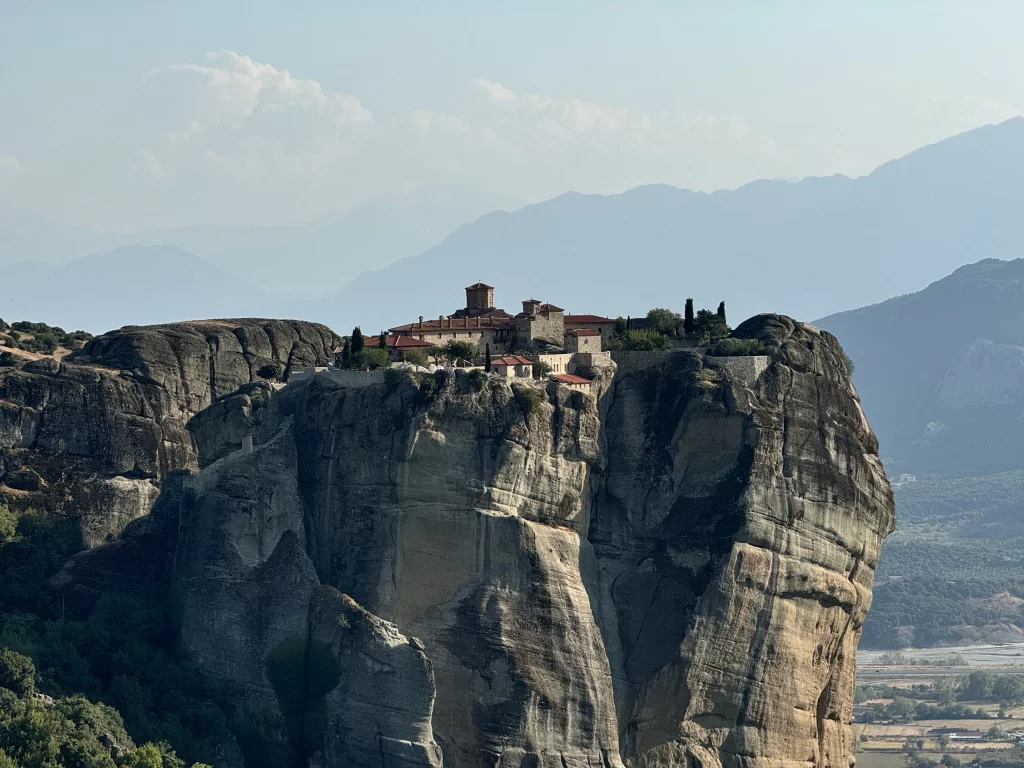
<point x="270" y="371"/>
<point x="416" y="357"/>
<point x="529" y="400"/>
<point x="17" y="672"/>
<point x="541" y="370"/>
<point x="7" y="359"/>
<point x="478" y="380"/>
<point x="372" y="358"/>
<point x="664" y="321"/>
<point x="737" y="347"/>
<point x="645" y="340"/>
<point x="391" y="377"/>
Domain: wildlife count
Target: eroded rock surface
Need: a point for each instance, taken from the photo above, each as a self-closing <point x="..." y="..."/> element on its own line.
<point x="672" y="573"/>
<point x="94" y="435"/>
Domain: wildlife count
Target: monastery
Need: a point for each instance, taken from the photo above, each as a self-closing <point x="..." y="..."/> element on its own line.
<point x="540" y="327"/>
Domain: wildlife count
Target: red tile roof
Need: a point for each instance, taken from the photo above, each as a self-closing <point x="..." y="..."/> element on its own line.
<point x="583" y="332"/>
<point x="455" y="324"/>
<point x="587" y="319"/>
<point x="512" y="360"/>
<point x="568" y="378"/>
<point x="405" y="342"/>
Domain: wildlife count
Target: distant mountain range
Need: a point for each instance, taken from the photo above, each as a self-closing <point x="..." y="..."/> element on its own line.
<point x="806" y="249"/>
<point x="135" y="285"/>
<point x="303" y="260"/>
<point x="941" y="371"/>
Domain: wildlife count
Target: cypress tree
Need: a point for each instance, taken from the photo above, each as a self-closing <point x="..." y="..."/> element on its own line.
<point x="688" y="317"/>
<point x="345" y="354"/>
<point x="629" y="323"/>
<point x="382" y="341"/>
<point x="721" y="311"/>
<point x="357" y="341"/>
<point x="487" y="358"/>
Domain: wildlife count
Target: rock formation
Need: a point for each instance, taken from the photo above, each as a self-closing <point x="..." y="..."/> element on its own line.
<point x="483" y="572"/>
<point x="94" y="434"/>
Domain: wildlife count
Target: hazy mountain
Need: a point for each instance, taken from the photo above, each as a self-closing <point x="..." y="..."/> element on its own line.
<point x="128" y="286"/>
<point x="307" y="259"/>
<point x="941" y="371"/>
<point x="31" y="236"/>
<point x="806" y="249"/>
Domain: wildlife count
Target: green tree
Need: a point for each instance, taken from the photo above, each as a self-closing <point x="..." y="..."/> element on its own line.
<point x="645" y="340"/>
<point x="372" y="358"/>
<point x="979" y="685"/>
<point x="415" y="356"/>
<point x="356" y="342"/>
<point x="901" y="709"/>
<point x="270" y="371"/>
<point x="17" y="672"/>
<point x="456" y="352"/>
<point x="541" y="370"/>
<point x="382" y="340"/>
<point x="487" y="358"/>
<point x="620" y="326"/>
<point x="707" y="325"/>
<point x="688" y="317"/>
<point x="663" y="320"/>
<point x="721" y="312"/>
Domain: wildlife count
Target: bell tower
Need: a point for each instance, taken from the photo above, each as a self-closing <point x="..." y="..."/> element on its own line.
<point x="480" y="296"/>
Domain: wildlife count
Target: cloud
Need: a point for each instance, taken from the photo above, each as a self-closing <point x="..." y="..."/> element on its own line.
<point x="233" y="139"/>
<point x="9" y="164"/>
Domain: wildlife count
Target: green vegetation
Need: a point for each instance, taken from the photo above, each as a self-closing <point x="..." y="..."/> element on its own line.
<point x="956" y="561"/>
<point x="120" y="653"/>
<point x="478" y="380"/>
<point x="455" y="353"/>
<point x="416" y="357"/>
<point x="688" y="318"/>
<point x="708" y="325"/>
<point x="737" y="347"/>
<point x="541" y="370"/>
<point x="40" y="337"/>
<point x="7" y="359"/>
<point x="645" y="340"/>
<point x="664" y="321"/>
<point x="529" y="400"/>
<point x="270" y="371"/>
<point x="942" y="699"/>
<point x="371" y="358"/>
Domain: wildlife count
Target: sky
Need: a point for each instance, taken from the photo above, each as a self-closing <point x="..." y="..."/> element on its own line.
<point x="128" y="116"/>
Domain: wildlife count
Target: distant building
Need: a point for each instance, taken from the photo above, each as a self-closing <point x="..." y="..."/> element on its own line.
<point x="513" y="367"/>
<point x="574" y="382"/>
<point x="603" y="325"/>
<point x="397" y="346"/>
<point x="539" y="322"/>
<point x="583" y="340"/>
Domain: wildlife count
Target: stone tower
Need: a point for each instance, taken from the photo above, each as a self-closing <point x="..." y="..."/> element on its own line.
<point x="480" y="296"/>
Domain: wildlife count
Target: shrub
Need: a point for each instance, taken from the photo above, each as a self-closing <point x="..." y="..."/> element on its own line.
<point x="528" y="399"/>
<point x="372" y="358"/>
<point x="737" y="347"/>
<point x="416" y="357"/>
<point x="17" y="672"/>
<point x="541" y="370"/>
<point x="270" y="371"/>
<point x="478" y="380"/>
<point x="458" y="352"/>
<point x="428" y="386"/>
<point x="391" y="377"/>
<point x="645" y="340"/>
<point x="850" y="366"/>
<point x="7" y="359"/>
<point x="663" y="321"/>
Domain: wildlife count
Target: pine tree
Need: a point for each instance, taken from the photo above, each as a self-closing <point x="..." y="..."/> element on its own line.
<point x="688" y="317"/>
<point x="357" y="341"/>
<point x="487" y="358"/>
<point x="721" y="312"/>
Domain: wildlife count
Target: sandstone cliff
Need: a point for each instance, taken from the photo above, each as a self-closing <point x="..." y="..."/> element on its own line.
<point x="486" y="573"/>
<point x="93" y="435"/>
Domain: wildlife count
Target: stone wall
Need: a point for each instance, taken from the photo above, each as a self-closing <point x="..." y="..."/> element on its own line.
<point x="351" y="379"/>
<point x="544" y="325"/>
<point x="629" y="360"/>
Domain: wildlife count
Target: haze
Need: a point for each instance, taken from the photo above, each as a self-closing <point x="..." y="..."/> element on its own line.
<point x="127" y="117"/>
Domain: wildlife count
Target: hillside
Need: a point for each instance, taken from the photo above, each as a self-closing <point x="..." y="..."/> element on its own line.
<point x="941" y="371"/>
<point x="807" y="249"/>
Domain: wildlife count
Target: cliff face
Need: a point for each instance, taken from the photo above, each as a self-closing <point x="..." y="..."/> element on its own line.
<point x="674" y="572"/>
<point x="93" y="436"/>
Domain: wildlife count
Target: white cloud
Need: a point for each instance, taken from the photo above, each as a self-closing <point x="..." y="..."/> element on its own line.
<point x="9" y="164"/>
<point x="235" y="140"/>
